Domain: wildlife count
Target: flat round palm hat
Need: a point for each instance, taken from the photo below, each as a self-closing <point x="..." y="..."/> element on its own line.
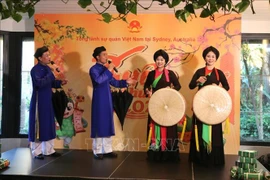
<point x="167" y="107"/>
<point x="212" y="104"/>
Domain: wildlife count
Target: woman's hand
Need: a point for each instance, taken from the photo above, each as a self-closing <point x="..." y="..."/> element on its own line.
<point x="201" y="79"/>
<point x="148" y="92"/>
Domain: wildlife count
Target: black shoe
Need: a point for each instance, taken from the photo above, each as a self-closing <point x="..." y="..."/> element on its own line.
<point x="55" y="154"/>
<point x="40" y="156"/>
<point x="98" y="156"/>
<point x="110" y="155"/>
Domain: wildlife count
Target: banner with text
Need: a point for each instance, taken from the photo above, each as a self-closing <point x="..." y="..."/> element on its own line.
<point x="73" y="37"/>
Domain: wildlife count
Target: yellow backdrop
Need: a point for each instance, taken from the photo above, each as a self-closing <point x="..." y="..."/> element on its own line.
<point x="72" y="38"/>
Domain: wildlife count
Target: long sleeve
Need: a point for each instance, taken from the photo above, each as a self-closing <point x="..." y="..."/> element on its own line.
<point x="174" y="81"/>
<point x="193" y="82"/>
<point x="118" y="83"/>
<point x="40" y="80"/>
<point x="100" y="78"/>
<point x="56" y="84"/>
<point x="148" y="82"/>
<point x="223" y="80"/>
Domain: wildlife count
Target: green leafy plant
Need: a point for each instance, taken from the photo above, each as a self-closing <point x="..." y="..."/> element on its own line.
<point x="255" y="97"/>
<point x="15" y="8"/>
<point x="182" y="9"/>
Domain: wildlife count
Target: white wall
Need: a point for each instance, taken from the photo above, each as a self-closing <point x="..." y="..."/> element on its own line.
<point x="258" y="22"/>
<point x="25" y="25"/>
<point x="256" y="26"/>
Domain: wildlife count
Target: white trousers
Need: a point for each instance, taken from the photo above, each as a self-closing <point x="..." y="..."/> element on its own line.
<point x="102" y="145"/>
<point x="44" y="147"/>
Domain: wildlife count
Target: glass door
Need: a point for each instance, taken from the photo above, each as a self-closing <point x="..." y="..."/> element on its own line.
<point x="28" y="61"/>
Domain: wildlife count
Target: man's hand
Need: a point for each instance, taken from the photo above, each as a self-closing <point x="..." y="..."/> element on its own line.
<point x="131" y="81"/>
<point x="64" y="82"/>
<point x="111" y="66"/>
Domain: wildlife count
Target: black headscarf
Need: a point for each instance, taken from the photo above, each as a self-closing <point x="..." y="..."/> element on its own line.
<point x="161" y="53"/>
<point x="209" y="49"/>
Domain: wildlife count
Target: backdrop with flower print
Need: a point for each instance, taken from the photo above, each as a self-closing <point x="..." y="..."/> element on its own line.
<point x="72" y="38"/>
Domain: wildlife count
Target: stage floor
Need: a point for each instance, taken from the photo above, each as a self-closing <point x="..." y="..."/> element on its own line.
<point x="80" y="164"/>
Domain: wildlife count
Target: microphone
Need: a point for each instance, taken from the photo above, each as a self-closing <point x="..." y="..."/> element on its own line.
<point x="52" y="63"/>
<point x="114" y="67"/>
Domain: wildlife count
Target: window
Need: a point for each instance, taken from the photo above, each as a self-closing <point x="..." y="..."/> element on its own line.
<point x="17" y="49"/>
<point x="255" y="91"/>
<point x="1" y="78"/>
<point x="28" y="48"/>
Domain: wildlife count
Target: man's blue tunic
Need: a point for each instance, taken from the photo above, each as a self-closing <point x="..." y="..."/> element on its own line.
<point x="102" y="124"/>
<point x="43" y="81"/>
